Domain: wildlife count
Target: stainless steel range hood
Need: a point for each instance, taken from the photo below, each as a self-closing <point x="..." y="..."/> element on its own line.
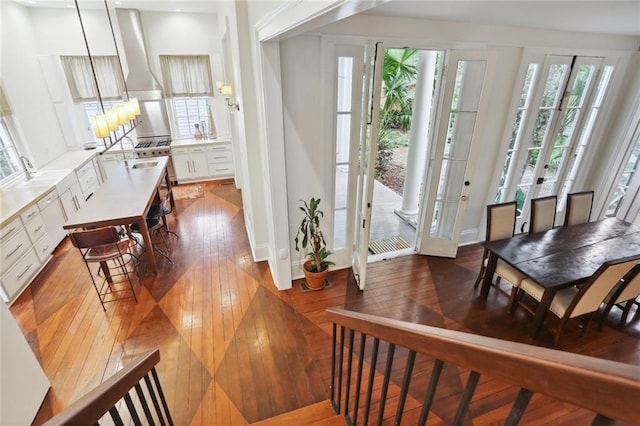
<point x="140" y="81"/>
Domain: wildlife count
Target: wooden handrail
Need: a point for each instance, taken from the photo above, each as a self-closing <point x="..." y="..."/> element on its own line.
<point x="92" y="406"/>
<point x="605" y="387"/>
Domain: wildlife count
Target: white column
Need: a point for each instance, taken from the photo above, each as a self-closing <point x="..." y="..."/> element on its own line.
<point x="418" y="137"/>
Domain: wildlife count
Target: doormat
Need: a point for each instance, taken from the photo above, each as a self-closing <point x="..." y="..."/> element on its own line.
<point x="387" y="245"/>
<point x="188" y="192"/>
<point x="304" y="288"/>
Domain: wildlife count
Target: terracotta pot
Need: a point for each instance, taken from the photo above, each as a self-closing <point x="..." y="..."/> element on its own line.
<point x="315" y="280"/>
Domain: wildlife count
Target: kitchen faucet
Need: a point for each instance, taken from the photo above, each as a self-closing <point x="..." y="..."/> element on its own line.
<point x="27" y="166"/>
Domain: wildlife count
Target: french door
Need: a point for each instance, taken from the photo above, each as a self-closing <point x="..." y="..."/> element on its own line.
<point x="367" y="159"/>
<point x="559" y="103"/>
<point x="463" y="101"/>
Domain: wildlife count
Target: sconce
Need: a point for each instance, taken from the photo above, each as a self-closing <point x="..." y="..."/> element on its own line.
<point x="226" y="91"/>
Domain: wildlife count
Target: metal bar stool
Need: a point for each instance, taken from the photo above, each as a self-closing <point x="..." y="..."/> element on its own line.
<point x="106" y="247"/>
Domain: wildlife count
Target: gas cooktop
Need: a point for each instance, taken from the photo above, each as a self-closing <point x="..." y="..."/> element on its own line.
<point x="153" y="142"/>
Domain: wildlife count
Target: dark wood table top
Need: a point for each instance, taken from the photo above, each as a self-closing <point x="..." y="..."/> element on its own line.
<point x="564" y="256"/>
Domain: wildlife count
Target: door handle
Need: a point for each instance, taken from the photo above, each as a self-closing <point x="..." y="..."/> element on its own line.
<point x="464" y="198"/>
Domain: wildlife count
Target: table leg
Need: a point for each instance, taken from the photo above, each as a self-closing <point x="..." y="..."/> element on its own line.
<point x="541" y="311"/>
<point x="488" y="275"/>
<point x="144" y="231"/>
<point x="106" y="272"/>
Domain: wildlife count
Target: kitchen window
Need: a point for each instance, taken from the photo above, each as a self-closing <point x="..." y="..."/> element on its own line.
<point x="187" y="83"/>
<point x="82" y="85"/>
<point x="9" y="158"/>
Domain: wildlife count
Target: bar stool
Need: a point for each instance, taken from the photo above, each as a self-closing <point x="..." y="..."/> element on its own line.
<point x="112" y="252"/>
<point x="157" y="225"/>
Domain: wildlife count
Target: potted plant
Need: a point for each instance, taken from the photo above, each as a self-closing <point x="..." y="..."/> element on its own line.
<point x="316" y="268"/>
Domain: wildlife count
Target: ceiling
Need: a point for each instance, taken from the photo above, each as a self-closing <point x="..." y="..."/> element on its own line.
<point x="605" y="16"/>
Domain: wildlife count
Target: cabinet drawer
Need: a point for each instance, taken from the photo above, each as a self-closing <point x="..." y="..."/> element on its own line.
<point x="36" y="228"/>
<point x="219" y="147"/>
<point x="221" y="170"/>
<point x="31" y="212"/>
<point x="48" y="199"/>
<point x="10" y="228"/>
<point x="14" y="247"/>
<point x="16" y="277"/>
<point x="219" y="157"/>
<point x="179" y="150"/>
<point x="44" y="247"/>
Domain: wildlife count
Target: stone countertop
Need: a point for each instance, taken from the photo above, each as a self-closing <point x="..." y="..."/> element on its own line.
<point x="185" y="143"/>
<point x="14" y="199"/>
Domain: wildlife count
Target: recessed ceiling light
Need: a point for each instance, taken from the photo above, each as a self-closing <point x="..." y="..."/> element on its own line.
<point x="32" y="2"/>
<point x="70" y="6"/>
<point x="178" y="10"/>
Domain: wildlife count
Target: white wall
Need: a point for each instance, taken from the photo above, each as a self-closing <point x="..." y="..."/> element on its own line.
<point x="308" y="159"/>
<point x="39" y="130"/>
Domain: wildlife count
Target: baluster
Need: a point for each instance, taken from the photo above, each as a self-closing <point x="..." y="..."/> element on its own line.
<point x="431" y="391"/>
<point x="115" y="416"/>
<point x="385" y="382"/>
<point x="145" y="406"/>
<point x="519" y="405"/>
<point x="132" y="410"/>
<point x="405" y="386"/>
<point x="372" y="373"/>
<point x="349" y="365"/>
<point x="333" y="369"/>
<point x="340" y="362"/>
<point x="161" y="395"/>
<point x="363" y="341"/>
<point x="469" y="389"/>
<point x="152" y="394"/>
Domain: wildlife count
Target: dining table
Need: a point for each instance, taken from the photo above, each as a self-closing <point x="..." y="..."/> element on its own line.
<point x="562" y="257"/>
<point x="125" y="198"/>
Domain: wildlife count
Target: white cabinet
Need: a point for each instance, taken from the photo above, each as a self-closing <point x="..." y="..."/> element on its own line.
<point x="71" y="196"/>
<point x="19" y="260"/>
<point x="53" y="217"/>
<point x="220" y="160"/>
<point x="203" y="162"/>
<point x="190" y="163"/>
<point x="88" y="178"/>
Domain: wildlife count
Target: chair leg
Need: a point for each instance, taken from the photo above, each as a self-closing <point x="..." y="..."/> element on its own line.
<point x="515" y="294"/>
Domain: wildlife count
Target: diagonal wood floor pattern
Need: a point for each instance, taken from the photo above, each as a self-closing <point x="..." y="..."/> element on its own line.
<point x="234" y="350"/>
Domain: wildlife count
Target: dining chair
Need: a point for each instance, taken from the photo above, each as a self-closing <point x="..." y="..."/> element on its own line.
<point x="578" y="208"/>
<point x="501" y="222"/>
<point x="543" y="213"/>
<point x="108" y="248"/>
<point x="575" y="301"/>
<point x="627" y="293"/>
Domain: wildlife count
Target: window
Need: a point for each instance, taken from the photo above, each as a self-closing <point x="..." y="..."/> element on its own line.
<point x="82" y="85"/>
<point x="557" y="110"/>
<point x="187" y="82"/>
<point x="9" y="159"/>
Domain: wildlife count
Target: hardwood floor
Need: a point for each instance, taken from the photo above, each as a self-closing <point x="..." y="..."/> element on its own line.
<point x="235" y="350"/>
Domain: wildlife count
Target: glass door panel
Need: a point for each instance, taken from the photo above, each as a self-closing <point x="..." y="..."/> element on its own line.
<point x="448" y="186"/>
<point x="557" y="110"/>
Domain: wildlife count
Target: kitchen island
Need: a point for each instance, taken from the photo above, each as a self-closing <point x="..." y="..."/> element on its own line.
<point x="125" y="198"/>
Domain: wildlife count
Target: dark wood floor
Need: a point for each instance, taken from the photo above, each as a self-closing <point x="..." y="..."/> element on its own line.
<point x="237" y="351"/>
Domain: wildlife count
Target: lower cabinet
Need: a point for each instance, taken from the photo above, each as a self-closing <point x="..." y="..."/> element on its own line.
<point x="207" y="161"/>
<point x="53" y="217"/>
<point x="190" y="163"/>
<point x="70" y="194"/>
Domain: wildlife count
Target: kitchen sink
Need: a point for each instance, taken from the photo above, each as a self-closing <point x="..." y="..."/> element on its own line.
<point x="43" y="178"/>
<point x="144" y="165"/>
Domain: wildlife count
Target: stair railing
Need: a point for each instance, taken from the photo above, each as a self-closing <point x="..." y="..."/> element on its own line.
<point x="147" y="405"/>
<point x="609" y="389"/>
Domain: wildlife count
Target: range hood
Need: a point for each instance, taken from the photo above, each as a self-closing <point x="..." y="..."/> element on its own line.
<point x="140" y="81"/>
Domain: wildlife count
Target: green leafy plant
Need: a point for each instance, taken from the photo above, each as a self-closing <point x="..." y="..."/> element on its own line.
<point x="312" y="236"/>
